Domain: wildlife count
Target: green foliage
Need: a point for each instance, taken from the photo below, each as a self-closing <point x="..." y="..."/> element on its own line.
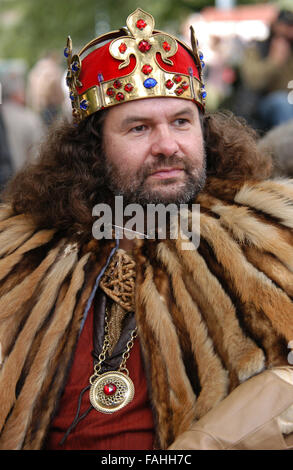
<point x="43" y="25"/>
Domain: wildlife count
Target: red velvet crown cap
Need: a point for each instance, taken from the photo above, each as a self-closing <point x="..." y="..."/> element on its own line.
<point x="100" y="61"/>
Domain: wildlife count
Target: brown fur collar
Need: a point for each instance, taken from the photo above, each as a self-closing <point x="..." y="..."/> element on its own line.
<point x="208" y="319"/>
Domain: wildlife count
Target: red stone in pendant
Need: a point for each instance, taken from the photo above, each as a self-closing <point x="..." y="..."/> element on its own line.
<point x="166" y="46"/>
<point x="169" y="84"/>
<point x="144" y="46"/>
<point x="122" y="48"/>
<point x="119" y="97"/>
<point x="117" y="84"/>
<point x="128" y="87"/>
<point x="147" y="69"/>
<point x="110" y="389"/>
<point x="141" y="24"/>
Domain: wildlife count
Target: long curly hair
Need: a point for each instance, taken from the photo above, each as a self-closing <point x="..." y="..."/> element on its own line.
<point x="61" y="187"/>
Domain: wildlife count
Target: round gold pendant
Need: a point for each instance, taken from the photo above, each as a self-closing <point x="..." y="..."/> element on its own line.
<point x="111" y="391"/>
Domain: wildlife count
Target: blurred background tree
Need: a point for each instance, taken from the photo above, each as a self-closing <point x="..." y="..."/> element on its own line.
<point x="29" y="28"/>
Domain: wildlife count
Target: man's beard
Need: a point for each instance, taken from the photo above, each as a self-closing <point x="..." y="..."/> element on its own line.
<point x="136" y="188"/>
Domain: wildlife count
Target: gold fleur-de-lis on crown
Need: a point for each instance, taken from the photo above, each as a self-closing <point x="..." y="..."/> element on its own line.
<point x="142" y="43"/>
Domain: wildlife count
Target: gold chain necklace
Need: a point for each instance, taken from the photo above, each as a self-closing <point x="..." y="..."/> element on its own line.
<point x="111" y="391"/>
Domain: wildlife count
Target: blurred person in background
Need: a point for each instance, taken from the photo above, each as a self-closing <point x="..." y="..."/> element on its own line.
<point x="266" y="70"/>
<point x="278" y="142"/>
<point x="6" y="167"/>
<point x="24" y="127"/>
<point x="221" y="71"/>
<point x="45" y="91"/>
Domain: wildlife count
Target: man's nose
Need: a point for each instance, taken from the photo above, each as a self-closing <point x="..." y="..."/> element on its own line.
<point x="164" y="143"/>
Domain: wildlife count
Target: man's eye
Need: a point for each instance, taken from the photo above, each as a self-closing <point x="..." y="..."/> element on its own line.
<point x="140" y="128"/>
<point x="181" y="122"/>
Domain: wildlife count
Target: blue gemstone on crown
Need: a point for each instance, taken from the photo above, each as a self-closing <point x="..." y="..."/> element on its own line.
<point x="83" y="105"/>
<point x="75" y="66"/>
<point x="100" y="77"/>
<point x="202" y="64"/>
<point x="204" y="94"/>
<point x="66" y="52"/>
<point x="71" y="96"/>
<point x="150" y="83"/>
<point x="200" y="55"/>
<point x="190" y="71"/>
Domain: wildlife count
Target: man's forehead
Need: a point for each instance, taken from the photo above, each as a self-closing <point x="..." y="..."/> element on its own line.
<point x="153" y="107"/>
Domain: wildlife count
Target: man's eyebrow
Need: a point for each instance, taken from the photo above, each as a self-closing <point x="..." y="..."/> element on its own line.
<point x="185" y="111"/>
<point x="132" y="119"/>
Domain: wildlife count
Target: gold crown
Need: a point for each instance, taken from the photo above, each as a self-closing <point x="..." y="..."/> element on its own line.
<point x="164" y="66"/>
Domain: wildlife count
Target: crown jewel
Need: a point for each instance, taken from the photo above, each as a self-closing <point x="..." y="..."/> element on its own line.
<point x="136" y="62"/>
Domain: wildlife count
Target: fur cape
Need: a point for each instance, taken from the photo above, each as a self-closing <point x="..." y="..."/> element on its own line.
<point x="208" y="319"/>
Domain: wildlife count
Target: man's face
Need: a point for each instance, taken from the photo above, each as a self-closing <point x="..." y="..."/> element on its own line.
<point x="154" y="151"/>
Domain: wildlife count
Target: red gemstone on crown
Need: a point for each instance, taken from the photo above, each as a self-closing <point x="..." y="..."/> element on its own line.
<point x="128" y="87"/>
<point x="110" y="92"/>
<point x="179" y="91"/>
<point x="177" y="78"/>
<point x="110" y="389"/>
<point x="119" y="97"/>
<point x="117" y="84"/>
<point x="141" y="24"/>
<point x="144" y="46"/>
<point x="122" y="48"/>
<point x="166" y="46"/>
<point x="169" y="84"/>
<point x="185" y="85"/>
<point x="147" y="69"/>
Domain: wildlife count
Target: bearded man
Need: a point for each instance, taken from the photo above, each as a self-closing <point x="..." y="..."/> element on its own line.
<point x="138" y="343"/>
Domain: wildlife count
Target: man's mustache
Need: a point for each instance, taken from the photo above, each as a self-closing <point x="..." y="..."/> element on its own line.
<point x="165" y="162"/>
